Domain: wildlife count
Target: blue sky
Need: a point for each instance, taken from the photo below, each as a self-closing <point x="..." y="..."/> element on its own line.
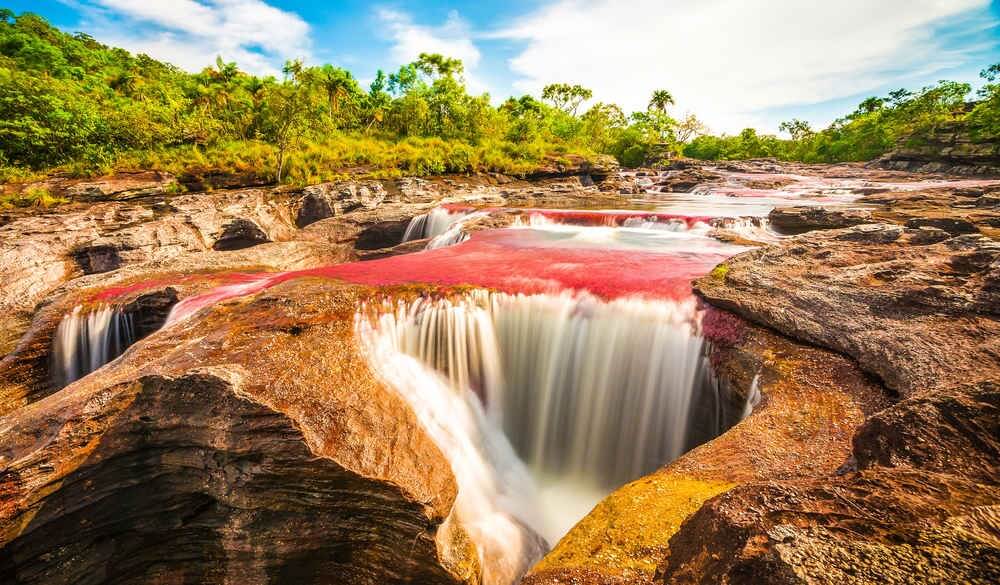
<point x="734" y="63"/>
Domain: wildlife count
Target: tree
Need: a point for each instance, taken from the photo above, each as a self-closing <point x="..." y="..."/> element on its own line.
<point x="286" y="111"/>
<point x="689" y="128"/>
<point x="566" y="97"/>
<point x="437" y="65"/>
<point x="797" y="129"/>
<point x="872" y="104"/>
<point x="339" y="85"/>
<point x="660" y="100"/>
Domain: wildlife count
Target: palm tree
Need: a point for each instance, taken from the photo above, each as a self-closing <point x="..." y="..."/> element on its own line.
<point x="660" y="100"/>
<point x="338" y="84"/>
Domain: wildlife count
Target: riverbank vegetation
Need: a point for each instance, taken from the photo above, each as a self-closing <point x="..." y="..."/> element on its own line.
<point x="875" y="127"/>
<point x="71" y="104"/>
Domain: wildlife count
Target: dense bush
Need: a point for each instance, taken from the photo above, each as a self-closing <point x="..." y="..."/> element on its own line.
<point x="876" y="126"/>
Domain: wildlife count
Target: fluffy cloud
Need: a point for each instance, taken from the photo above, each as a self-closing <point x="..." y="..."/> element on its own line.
<point x="451" y="39"/>
<point x="191" y="33"/>
<point x="729" y="60"/>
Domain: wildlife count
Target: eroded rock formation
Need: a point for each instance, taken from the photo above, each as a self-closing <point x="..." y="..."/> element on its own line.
<point x="199" y="457"/>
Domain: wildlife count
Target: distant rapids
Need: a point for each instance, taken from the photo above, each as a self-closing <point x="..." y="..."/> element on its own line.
<point x="590" y="393"/>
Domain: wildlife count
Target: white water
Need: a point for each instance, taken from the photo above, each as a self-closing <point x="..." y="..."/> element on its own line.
<point x="442" y="226"/>
<point x="590" y="393"/>
<point x="496" y="496"/>
<point x="757" y="229"/>
<point x="455" y="232"/>
<point x="86" y="341"/>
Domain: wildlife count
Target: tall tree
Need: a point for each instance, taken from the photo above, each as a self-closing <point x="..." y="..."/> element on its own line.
<point x="660" y="100"/>
<point x="566" y="97"/>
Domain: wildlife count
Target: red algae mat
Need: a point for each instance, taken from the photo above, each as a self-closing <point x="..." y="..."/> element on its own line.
<point x="512" y="261"/>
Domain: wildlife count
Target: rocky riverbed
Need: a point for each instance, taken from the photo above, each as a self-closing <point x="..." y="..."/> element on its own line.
<point x="842" y="423"/>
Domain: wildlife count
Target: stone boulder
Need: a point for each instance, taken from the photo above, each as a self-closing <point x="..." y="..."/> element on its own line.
<point x="798" y="220"/>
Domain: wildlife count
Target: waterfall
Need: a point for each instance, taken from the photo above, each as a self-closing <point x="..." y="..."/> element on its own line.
<point x="85" y="341"/>
<point x="496" y="495"/>
<point x="455" y="233"/>
<point x="444" y="227"/>
<point x="590" y="393"/>
<point x="752" y="228"/>
<point x="753" y="397"/>
<point x="430" y="224"/>
<point x="671" y="225"/>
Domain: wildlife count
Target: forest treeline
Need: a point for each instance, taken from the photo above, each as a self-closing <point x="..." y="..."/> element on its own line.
<point x="70" y="103"/>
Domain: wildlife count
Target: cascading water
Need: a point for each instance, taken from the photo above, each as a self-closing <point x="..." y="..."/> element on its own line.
<point x="85" y="341"/>
<point x="496" y="495"/>
<point x="443" y="226"/>
<point x="590" y="393"/>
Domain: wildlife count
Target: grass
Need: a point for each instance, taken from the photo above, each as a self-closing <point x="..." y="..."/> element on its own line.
<point x="30" y="197"/>
<point x="336" y="157"/>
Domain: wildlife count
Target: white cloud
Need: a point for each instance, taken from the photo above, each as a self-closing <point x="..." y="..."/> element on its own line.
<point x="191" y="33"/>
<point x="727" y="60"/>
<point x="451" y="39"/>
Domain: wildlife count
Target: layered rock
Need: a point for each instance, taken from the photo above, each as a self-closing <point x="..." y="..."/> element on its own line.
<point x="918" y="314"/>
<point x="921" y="486"/>
<point x="949" y="148"/>
<point x="798" y="220"/>
<point x="250" y="442"/>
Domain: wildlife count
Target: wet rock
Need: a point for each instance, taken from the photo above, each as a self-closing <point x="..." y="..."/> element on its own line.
<point x="798" y="220"/>
<point x="952" y="225"/>
<point x="867" y="292"/>
<point x="921" y="485"/>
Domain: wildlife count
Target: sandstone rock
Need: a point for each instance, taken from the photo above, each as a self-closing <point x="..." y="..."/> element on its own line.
<point x="685" y="179"/>
<point x="949" y="148"/>
<point x="952" y="225"/>
<point x="250" y="442"/>
<point x="330" y="199"/>
<point x="117" y="187"/>
<point x="921" y="486"/>
<point x="916" y="315"/>
<point x="797" y="220"/>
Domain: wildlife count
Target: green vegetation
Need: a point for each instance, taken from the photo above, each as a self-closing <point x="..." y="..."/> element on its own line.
<point x="877" y="125"/>
<point x="31" y="197"/>
<point x="71" y="104"/>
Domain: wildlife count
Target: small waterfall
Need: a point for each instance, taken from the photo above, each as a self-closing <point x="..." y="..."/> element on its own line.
<point x="431" y="224"/>
<point x="444" y="227"/>
<point x="753" y="397"/>
<point x="455" y="234"/>
<point x="85" y="341"/>
<point x="751" y="228"/>
<point x="670" y="225"/>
